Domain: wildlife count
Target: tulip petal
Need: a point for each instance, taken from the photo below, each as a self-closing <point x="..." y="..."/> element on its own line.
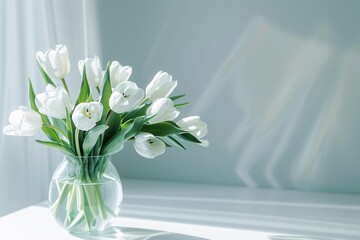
<point x="62" y="61"/>
<point x="9" y="130"/>
<point x="93" y="70"/>
<point x="55" y="62"/>
<point x="23" y="122"/>
<point x="53" y="102"/>
<point x="162" y="110"/>
<point x="196" y="127"/>
<point x="86" y="115"/>
<point x="148" y="146"/>
<point x="125" y="97"/>
<point x="81" y="66"/>
<point x="161" y="86"/>
<point x="40" y="57"/>
<point x="119" y="74"/>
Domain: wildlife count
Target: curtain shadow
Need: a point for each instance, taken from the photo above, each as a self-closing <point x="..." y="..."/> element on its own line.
<point x="284" y="237"/>
<point x="120" y="233"/>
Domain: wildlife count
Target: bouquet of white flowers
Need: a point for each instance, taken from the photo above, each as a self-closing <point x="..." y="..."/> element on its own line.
<point x="92" y="127"/>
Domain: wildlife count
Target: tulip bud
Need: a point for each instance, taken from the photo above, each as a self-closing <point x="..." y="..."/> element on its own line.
<point x="55" y="62"/>
<point x="86" y="115"/>
<point x="53" y="102"/>
<point x="93" y="70"/>
<point x="125" y="97"/>
<point x="162" y="110"/>
<point x="196" y="127"/>
<point x="161" y="86"/>
<point x="119" y="74"/>
<point x="23" y="122"/>
<point x="148" y="146"/>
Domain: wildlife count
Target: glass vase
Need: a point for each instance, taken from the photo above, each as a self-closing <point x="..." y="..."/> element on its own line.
<point x="85" y="194"/>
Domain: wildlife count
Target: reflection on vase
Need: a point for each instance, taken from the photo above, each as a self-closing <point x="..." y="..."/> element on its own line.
<point x="85" y="194"/>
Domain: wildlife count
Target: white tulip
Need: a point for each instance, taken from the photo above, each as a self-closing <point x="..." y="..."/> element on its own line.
<point x="118" y="73"/>
<point x="53" y="102"/>
<point x="161" y="86"/>
<point x="125" y="97"/>
<point x="23" y="122"/>
<point x="55" y="62"/>
<point x="162" y="109"/>
<point x="93" y="70"/>
<point x="148" y="146"/>
<point x="196" y="127"/>
<point x="86" y="115"/>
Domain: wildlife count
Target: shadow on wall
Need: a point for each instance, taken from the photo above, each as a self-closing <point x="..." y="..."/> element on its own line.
<point x="298" y="101"/>
<point x="276" y="83"/>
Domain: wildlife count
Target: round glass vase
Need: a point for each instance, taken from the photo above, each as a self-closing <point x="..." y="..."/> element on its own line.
<point x="85" y="193"/>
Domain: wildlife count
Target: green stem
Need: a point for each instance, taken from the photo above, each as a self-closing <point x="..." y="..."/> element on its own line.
<point x="85" y="205"/>
<point x="108" y="117"/>
<point x="70" y="204"/>
<point x="60" y="199"/>
<point x="86" y="169"/>
<point x="108" y="114"/>
<point x="100" y="201"/>
<point x="90" y="193"/>
<point x="77" y="142"/>
<point x="143" y="101"/>
<point x="65" y="86"/>
<point x="98" y="89"/>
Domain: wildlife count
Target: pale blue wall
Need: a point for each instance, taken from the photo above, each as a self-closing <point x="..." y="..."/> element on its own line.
<point x="277" y="82"/>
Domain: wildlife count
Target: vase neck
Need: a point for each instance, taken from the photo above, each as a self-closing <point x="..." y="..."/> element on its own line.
<point x="87" y="169"/>
<point x="83" y="159"/>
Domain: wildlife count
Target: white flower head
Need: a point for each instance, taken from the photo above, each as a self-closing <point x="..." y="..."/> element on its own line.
<point x="125" y="97"/>
<point x="148" y="146"/>
<point x="86" y="115"/>
<point x="93" y="70"/>
<point x="53" y="102"/>
<point x="118" y="73"/>
<point x="161" y="86"/>
<point x="162" y="109"/>
<point x="55" y="62"/>
<point x="23" y="122"/>
<point x="196" y="127"/>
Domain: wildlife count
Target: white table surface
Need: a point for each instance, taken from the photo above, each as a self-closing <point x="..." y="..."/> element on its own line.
<point x="172" y="211"/>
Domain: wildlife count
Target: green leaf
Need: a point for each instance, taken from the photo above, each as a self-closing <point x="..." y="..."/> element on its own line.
<point x="68" y="121"/>
<point x="181" y="104"/>
<point x="84" y="89"/>
<point x="92" y="137"/>
<point x="32" y="97"/>
<point x="174" y="125"/>
<point x="175" y="142"/>
<point x="90" y="98"/>
<point x="177" y="97"/>
<point x="69" y="128"/>
<point x="116" y="143"/>
<point x="137" y="126"/>
<point x="58" y="146"/>
<point x="45" y="76"/>
<point x="136" y="113"/>
<point x="162" y="129"/>
<point x="166" y="144"/>
<point x="113" y="122"/>
<point x="188" y="137"/>
<point x="51" y="127"/>
<point x="50" y="133"/>
<point x="59" y="123"/>
<point x="106" y="91"/>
